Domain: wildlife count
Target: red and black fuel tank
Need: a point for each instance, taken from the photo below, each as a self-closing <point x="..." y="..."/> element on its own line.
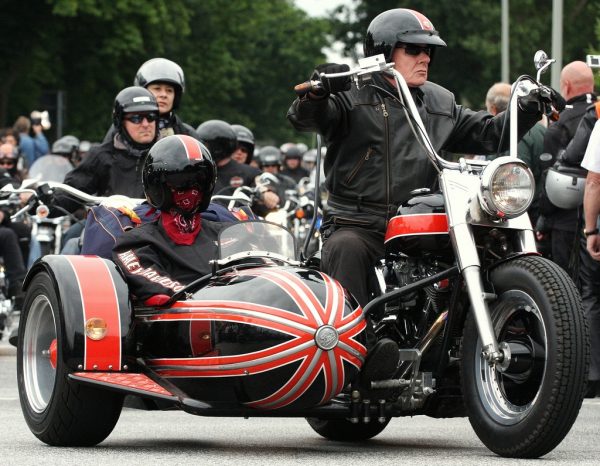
<point x="419" y="226"/>
<point x="266" y="337"/>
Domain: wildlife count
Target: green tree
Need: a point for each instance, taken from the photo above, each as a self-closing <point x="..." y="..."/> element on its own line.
<point x="241" y="58"/>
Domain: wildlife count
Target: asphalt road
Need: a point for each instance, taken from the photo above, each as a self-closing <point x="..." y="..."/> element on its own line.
<point x="176" y="438"/>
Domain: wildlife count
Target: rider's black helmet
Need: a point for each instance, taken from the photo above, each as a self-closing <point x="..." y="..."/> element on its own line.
<point x="269" y="155"/>
<point x="219" y="137"/>
<point x="291" y="151"/>
<point x="164" y="71"/>
<point x="245" y="138"/>
<point x="175" y="163"/>
<point x="399" y="25"/>
<point x="132" y="100"/>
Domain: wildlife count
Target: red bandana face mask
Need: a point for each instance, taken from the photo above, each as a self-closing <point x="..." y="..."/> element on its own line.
<point x="181" y="226"/>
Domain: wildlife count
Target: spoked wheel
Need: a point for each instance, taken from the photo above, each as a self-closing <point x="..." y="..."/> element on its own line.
<point x="58" y="411"/>
<point x="524" y="406"/>
<point x="343" y="430"/>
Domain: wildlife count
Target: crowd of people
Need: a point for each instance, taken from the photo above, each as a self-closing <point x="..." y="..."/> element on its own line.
<point x="369" y="171"/>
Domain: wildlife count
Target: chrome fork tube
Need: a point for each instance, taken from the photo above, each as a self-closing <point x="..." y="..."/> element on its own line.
<point x="468" y="261"/>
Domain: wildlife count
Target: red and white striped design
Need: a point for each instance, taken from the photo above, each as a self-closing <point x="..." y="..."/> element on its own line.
<point x="423" y="20"/>
<point x="193" y="148"/>
<point x="98" y="299"/>
<point x="302" y="348"/>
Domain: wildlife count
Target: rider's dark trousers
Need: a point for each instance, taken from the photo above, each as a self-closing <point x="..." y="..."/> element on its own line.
<point x="13" y="259"/>
<point x="349" y="254"/>
<point x="589" y="284"/>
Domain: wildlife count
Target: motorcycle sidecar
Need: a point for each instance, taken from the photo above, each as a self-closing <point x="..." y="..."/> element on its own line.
<point x="272" y="340"/>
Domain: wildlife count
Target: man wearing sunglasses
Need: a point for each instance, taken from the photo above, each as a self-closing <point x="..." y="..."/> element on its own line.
<point x="115" y="167"/>
<point x="373" y="160"/>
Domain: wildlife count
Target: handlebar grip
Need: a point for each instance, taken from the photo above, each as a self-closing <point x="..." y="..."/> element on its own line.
<point x="307" y="86"/>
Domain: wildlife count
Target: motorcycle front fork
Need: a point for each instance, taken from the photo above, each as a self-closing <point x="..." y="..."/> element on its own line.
<point x="468" y="260"/>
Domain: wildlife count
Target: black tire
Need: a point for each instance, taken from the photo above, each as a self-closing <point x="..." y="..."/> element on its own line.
<point x="527" y="413"/>
<point x="59" y="411"/>
<point x="343" y="430"/>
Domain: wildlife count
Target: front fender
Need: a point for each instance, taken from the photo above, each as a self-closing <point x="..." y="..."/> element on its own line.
<point x="89" y="287"/>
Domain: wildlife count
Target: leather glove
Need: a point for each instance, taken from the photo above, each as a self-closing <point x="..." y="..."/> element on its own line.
<point x="540" y="100"/>
<point x="331" y="85"/>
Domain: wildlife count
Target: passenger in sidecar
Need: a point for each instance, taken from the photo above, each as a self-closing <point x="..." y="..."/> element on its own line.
<point x="158" y="258"/>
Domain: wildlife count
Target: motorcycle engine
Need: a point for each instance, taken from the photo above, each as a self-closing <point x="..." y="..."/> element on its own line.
<point x="409" y="317"/>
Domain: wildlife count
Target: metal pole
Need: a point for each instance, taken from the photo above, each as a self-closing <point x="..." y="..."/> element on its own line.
<point x="504" y="41"/>
<point x="557" y="42"/>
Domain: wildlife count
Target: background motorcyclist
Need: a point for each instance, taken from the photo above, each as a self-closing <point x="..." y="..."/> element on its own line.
<point x="165" y="79"/>
<point x="56" y="165"/>
<point x="221" y="140"/>
<point x="269" y="161"/>
<point x="292" y="158"/>
<point x="244" y="151"/>
<point x="372" y="162"/>
<point x="115" y="167"/>
<point x="10" y="248"/>
<point x="160" y="257"/>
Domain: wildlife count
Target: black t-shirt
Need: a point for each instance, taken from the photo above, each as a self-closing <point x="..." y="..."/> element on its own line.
<point x="233" y="175"/>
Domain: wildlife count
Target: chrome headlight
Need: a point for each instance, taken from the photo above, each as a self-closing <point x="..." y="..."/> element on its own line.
<point x="507" y="188"/>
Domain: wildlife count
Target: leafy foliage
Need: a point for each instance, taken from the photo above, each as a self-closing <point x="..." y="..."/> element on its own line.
<point x="241" y="58"/>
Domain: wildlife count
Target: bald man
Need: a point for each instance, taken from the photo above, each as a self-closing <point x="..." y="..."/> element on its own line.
<point x="577" y="87"/>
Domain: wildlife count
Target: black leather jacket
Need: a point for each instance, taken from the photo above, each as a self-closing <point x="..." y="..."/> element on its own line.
<point x="111" y="168"/>
<point x="573" y="154"/>
<point x="373" y="160"/>
<point x="559" y="134"/>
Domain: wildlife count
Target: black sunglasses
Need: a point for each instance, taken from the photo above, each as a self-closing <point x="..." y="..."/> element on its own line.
<point x="137" y="118"/>
<point x="415" y="50"/>
<point x="7" y="162"/>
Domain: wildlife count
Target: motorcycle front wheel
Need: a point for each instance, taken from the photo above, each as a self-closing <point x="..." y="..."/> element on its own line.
<point x="525" y="408"/>
<point x="58" y="411"/>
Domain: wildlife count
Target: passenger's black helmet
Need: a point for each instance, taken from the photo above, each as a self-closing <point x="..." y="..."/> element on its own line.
<point x="269" y="155"/>
<point x="178" y="162"/>
<point x="245" y="138"/>
<point x="219" y="137"/>
<point x="399" y="25"/>
<point x="164" y="71"/>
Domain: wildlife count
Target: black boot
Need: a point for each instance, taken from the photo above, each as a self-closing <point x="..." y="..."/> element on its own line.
<point x="381" y="363"/>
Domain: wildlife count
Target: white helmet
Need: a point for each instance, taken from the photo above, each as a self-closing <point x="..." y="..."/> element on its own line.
<point x="565" y="185"/>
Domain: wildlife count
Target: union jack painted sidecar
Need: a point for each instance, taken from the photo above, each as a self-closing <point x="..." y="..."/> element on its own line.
<point x="261" y="336"/>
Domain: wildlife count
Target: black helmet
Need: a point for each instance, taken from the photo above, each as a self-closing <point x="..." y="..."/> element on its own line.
<point x="245" y="138"/>
<point x="399" y="25"/>
<point x="291" y="151"/>
<point x="269" y="155"/>
<point x="178" y="162"/>
<point x="219" y="137"/>
<point x="162" y="70"/>
<point x="67" y="145"/>
<point x="129" y="100"/>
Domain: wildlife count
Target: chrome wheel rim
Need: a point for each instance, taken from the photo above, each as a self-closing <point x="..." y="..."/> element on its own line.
<point x="38" y="374"/>
<point x="509" y="398"/>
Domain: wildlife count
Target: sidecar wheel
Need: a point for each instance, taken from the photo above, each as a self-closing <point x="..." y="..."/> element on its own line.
<point x="59" y="411"/>
<point x="525" y="410"/>
<point x="344" y="431"/>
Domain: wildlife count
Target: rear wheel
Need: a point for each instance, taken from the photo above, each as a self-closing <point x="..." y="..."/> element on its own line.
<point x="58" y="411"/>
<point x="344" y="431"/>
<point x="526" y="407"/>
